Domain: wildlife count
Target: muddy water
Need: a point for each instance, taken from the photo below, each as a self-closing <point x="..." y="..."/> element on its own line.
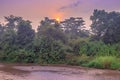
<point x="30" y="72"/>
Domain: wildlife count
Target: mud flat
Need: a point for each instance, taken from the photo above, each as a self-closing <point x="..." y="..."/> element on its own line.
<point x="36" y="72"/>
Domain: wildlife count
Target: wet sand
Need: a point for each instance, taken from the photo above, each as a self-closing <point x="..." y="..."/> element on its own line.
<point x="35" y="72"/>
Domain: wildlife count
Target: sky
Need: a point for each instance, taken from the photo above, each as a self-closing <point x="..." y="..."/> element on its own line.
<point x="36" y="10"/>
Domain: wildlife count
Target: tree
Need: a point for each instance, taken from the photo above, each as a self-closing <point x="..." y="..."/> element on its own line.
<point x="99" y="23"/>
<point x="25" y="34"/>
<point x="50" y="29"/>
<point x="49" y="41"/>
<point x="1" y="32"/>
<point x="73" y="26"/>
<point x="1" y="29"/>
<point x="112" y="34"/>
<point x="12" y="21"/>
<point x="105" y="26"/>
<point x="7" y="42"/>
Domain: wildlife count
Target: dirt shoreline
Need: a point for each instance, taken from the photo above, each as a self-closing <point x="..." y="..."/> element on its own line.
<point x="7" y="76"/>
<point x="54" y="72"/>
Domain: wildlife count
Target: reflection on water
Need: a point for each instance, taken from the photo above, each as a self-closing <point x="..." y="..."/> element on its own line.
<point x="59" y="73"/>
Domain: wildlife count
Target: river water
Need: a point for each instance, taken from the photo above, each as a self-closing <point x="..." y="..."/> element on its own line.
<point x="36" y="72"/>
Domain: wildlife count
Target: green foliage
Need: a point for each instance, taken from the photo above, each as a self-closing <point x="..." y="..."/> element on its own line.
<point x="62" y="42"/>
<point x="50" y="51"/>
<point x="78" y="60"/>
<point x="24" y="56"/>
<point x="109" y="62"/>
<point x="105" y="26"/>
<point x="49" y="29"/>
<point x="76" y="44"/>
<point x="25" y="34"/>
<point x="21" y="56"/>
<point x="95" y="48"/>
<point x="73" y="27"/>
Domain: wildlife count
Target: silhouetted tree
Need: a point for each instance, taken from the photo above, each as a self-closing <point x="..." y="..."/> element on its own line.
<point x="105" y="26"/>
<point x="12" y="21"/>
<point x="50" y="29"/>
<point x="73" y="26"/>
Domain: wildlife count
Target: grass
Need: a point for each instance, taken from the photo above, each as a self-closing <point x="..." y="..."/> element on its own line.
<point x="105" y="62"/>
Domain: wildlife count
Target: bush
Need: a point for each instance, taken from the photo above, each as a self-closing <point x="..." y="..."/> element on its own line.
<point x="24" y="56"/>
<point x="21" y="56"/>
<point x="103" y="62"/>
<point x="78" y="60"/>
<point x="51" y="51"/>
<point x="77" y="45"/>
<point x="93" y="48"/>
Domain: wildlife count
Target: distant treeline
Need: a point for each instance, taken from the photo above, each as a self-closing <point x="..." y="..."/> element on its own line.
<point x="62" y="42"/>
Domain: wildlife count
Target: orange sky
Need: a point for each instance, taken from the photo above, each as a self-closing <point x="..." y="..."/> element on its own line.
<point x="36" y="10"/>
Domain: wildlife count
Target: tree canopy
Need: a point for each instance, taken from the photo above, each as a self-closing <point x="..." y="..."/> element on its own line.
<point x="105" y="26"/>
<point x="64" y="41"/>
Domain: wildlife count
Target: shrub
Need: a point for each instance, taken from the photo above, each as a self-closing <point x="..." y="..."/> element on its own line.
<point x="105" y="62"/>
<point x="99" y="48"/>
<point x="78" y="60"/>
<point x="51" y="51"/>
<point x="24" y="56"/>
<point x="77" y="45"/>
<point x="21" y="56"/>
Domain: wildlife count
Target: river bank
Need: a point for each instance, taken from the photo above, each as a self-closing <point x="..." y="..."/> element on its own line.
<point x="36" y="72"/>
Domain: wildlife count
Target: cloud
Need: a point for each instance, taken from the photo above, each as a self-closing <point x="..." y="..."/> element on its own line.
<point x="72" y="5"/>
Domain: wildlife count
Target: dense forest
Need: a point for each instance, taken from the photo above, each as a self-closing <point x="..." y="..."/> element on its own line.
<point x="63" y="42"/>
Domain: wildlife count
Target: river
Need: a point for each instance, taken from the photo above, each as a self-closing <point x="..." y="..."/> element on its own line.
<point x="62" y="72"/>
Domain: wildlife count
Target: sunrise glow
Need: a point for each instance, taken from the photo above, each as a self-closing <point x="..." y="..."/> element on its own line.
<point x="58" y="19"/>
<point x="36" y="10"/>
